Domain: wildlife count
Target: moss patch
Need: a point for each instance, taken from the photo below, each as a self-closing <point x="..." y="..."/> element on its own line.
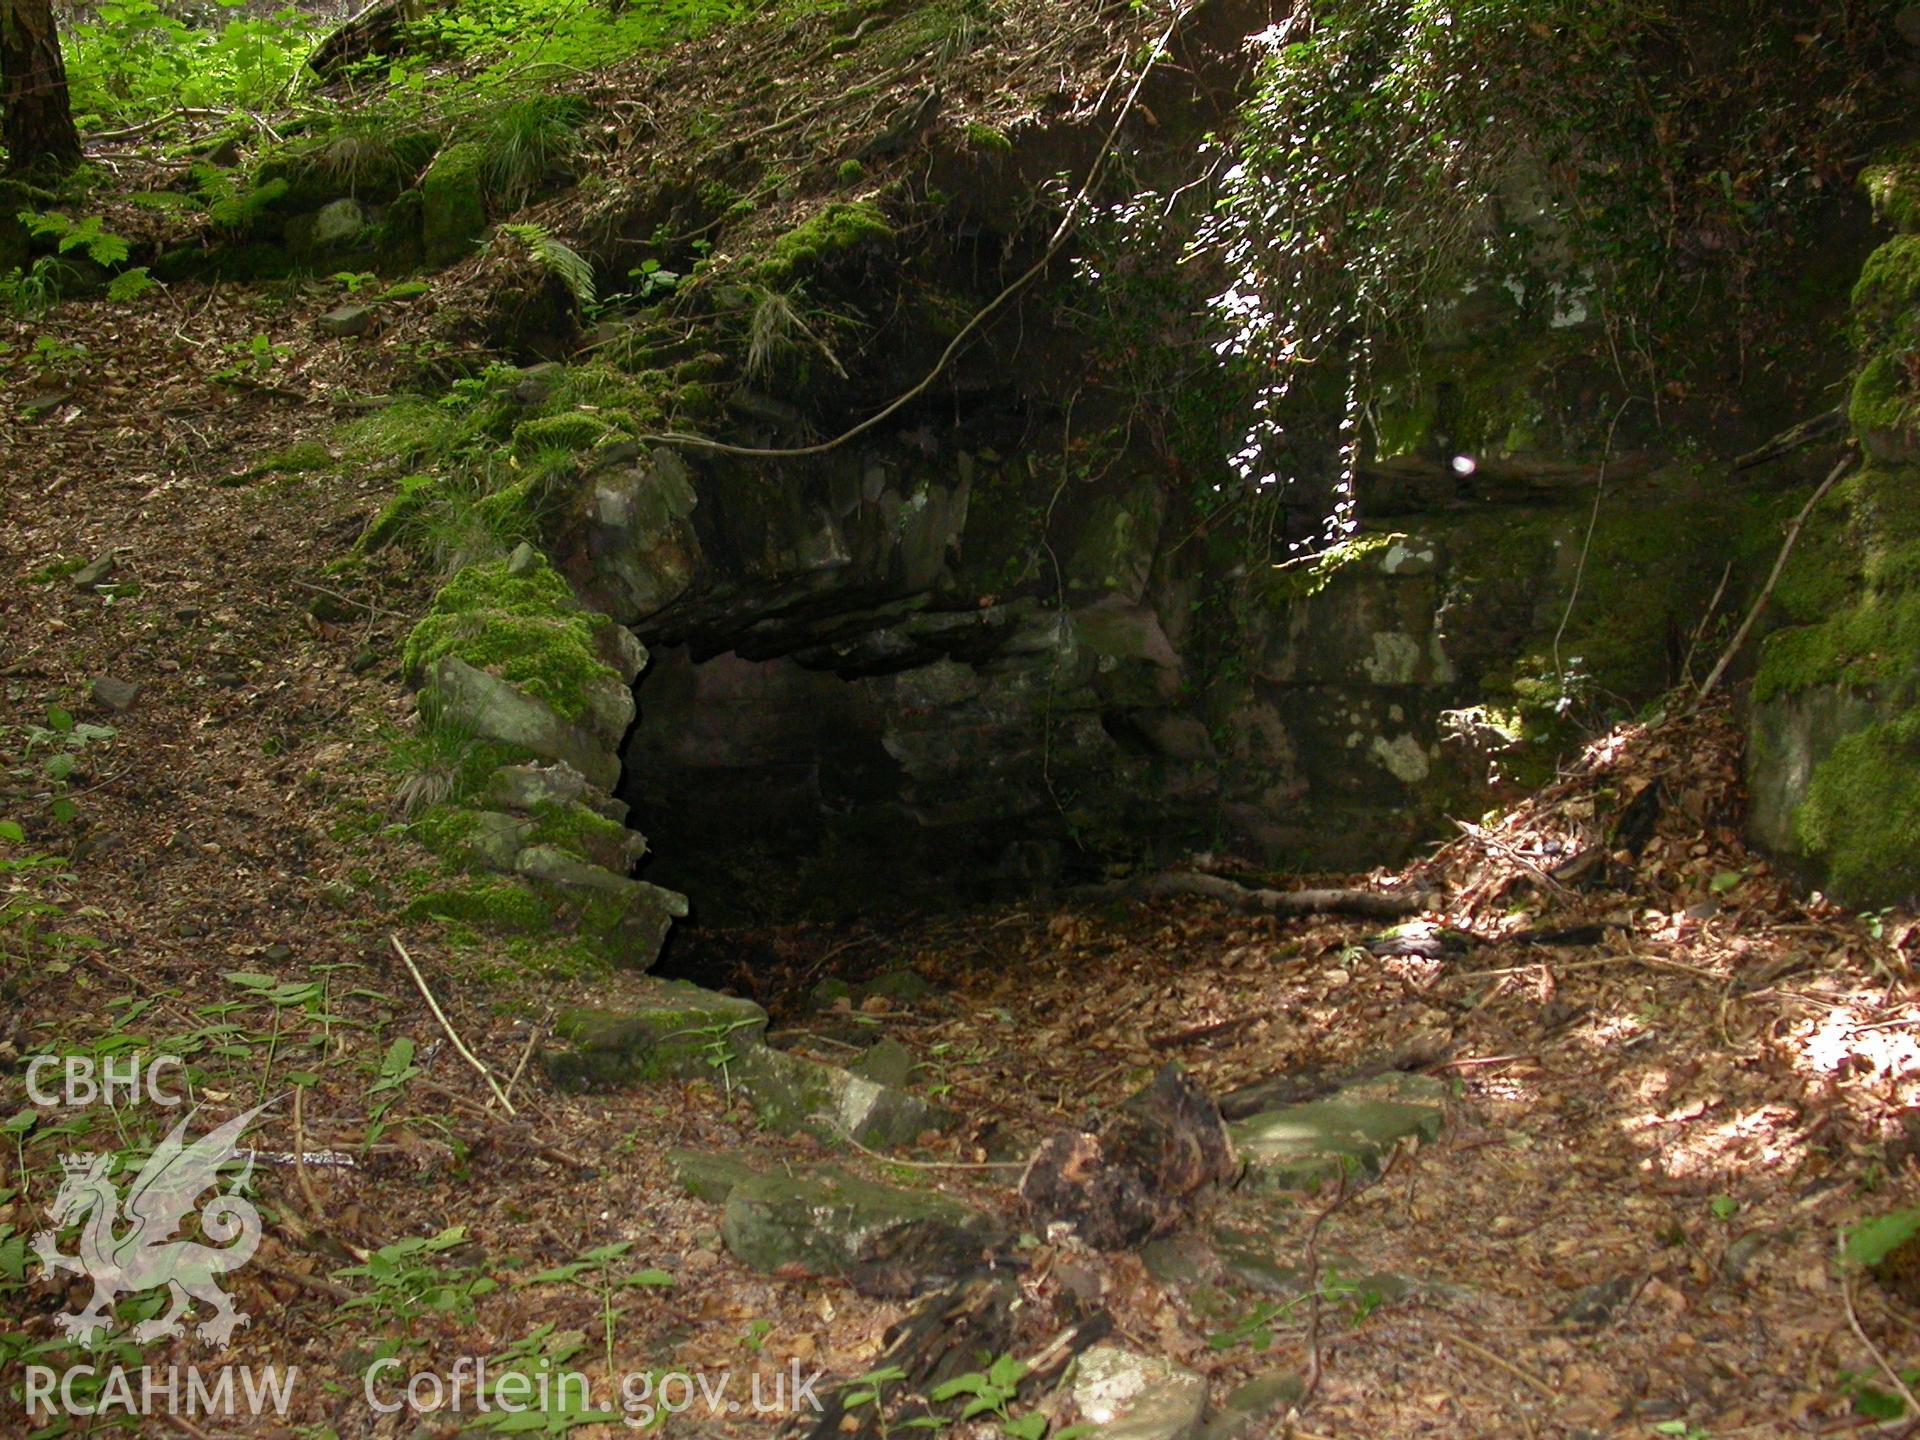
<point x="1887" y="293"/>
<point x="1861" y="818"/>
<point x="453" y="202"/>
<point x="836" y="230"/>
<point x="490" y="904"/>
<point x="567" y="433"/>
<point x="525" y="628"/>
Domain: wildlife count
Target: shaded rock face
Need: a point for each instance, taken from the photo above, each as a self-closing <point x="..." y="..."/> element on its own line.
<point x="928" y="671"/>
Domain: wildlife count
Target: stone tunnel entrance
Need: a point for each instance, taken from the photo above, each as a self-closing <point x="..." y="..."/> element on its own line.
<point x="772" y="790"/>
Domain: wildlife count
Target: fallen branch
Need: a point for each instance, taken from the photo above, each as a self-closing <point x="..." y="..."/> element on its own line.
<point x="419" y="980"/>
<point x="1794" y="438"/>
<point x="1374" y="904"/>
<point x="1766" y="591"/>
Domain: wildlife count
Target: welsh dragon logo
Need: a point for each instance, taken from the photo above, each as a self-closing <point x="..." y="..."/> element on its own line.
<point x="147" y="1255"/>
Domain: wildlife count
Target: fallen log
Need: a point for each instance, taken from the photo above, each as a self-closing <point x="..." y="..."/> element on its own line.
<point x="379" y="32"/>
<point x="1297" y="1087"/>
<point x="1374" y="904"/>
<point x="1137" y="1174"/>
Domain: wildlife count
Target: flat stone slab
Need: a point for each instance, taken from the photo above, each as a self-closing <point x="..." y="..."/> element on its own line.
<point x="709" y="1177"/>
<point x="831" y="1223"/>
<point x="1138" y="1397"/>
<point x="1254" y="1403"/>
<point x="679" y="1032"/>
<point x="792" y="1092"/>
<point x="1301" y="1147"/>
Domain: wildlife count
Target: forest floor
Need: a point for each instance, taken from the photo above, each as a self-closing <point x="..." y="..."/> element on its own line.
<point x="1686" y="1112"/>
<point x="1627" y="1228"/>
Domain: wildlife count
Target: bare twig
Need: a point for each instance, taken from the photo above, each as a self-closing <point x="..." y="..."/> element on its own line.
<point x="1532" y="1382"/>
<point x="527" y="1054"/>
<point x="314" y="1207"/>
<point x="419" y="980"/>
<point x="1766" y="591"/>
<point x="1374" y="903"/>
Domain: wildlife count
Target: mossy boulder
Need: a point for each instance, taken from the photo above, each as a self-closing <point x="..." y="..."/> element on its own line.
<point x="370" y="167"/>
<point x="1883" y="409"/>
<point x="827" y="1222"/>
<point x="453" y="203"/>
<point x="673" y="1031"/>
<point x="1351" y="1131"/>
<point x="1886" y="299"/>
<point x="1861" y="819"/>
<point x="523" y="625"/>
<point x="842" y="229"/>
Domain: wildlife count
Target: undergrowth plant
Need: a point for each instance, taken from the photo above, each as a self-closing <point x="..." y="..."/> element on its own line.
<point x="1568" y="157"/>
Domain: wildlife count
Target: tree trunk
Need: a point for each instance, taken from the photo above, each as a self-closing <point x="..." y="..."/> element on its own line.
<point x="33" y="88"/>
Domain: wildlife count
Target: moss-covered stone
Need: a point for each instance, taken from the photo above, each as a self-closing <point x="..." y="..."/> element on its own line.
<point x="1887" y="294"/>
<point x="677" y="1031"/>
<point x="1861" y="819"/>
<point x="1882" y="408"/>
<point x="568" y="434"/>
<point x="363" y="165"/>
<point x="453" y="203"/>
<point x="502" y="905"/>
<point x="986" y="138"/>
<point x="1893" y="184"/>
<point x="411" y="497"/>
<point x="839" y="229"/>
<point x="526" y="628"/>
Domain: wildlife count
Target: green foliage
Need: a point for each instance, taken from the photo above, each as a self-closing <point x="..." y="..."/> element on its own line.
<point x="556" y="259"/>
<point x="134" y="61"/>
<point x="103" y="247"/>
<point x="34" y="290"/>
<point x="525" y="141"/>
<point x="566" y="35"/>
<point x="406" y="1284"/>
<point x="1400" y="157"/>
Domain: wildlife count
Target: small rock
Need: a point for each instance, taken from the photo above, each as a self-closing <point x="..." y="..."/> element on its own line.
<point x="115" y="695"/>
<point x="363" y="661"/>
<point x="1138" y="1397"/>
<point x="887" y="1063"/>
<point x="337" y="221"/>
<point x="330" y="609"/>
<point x="536" y="383"/>
<point x="187" y="614"/>
<point x="277" y="952"/>
<point x="94" y="572"/>
<point x="347" y="321"/>
<point x="903" y="986"/>
<point x="524" y="560"/>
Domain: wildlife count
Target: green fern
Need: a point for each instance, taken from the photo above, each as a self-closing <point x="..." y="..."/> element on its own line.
<point x="556" y="259"/>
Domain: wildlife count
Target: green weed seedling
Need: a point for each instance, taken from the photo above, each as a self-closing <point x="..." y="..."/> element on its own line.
<point x="597" y="1273"/>
<point x="406" y="1284"/>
